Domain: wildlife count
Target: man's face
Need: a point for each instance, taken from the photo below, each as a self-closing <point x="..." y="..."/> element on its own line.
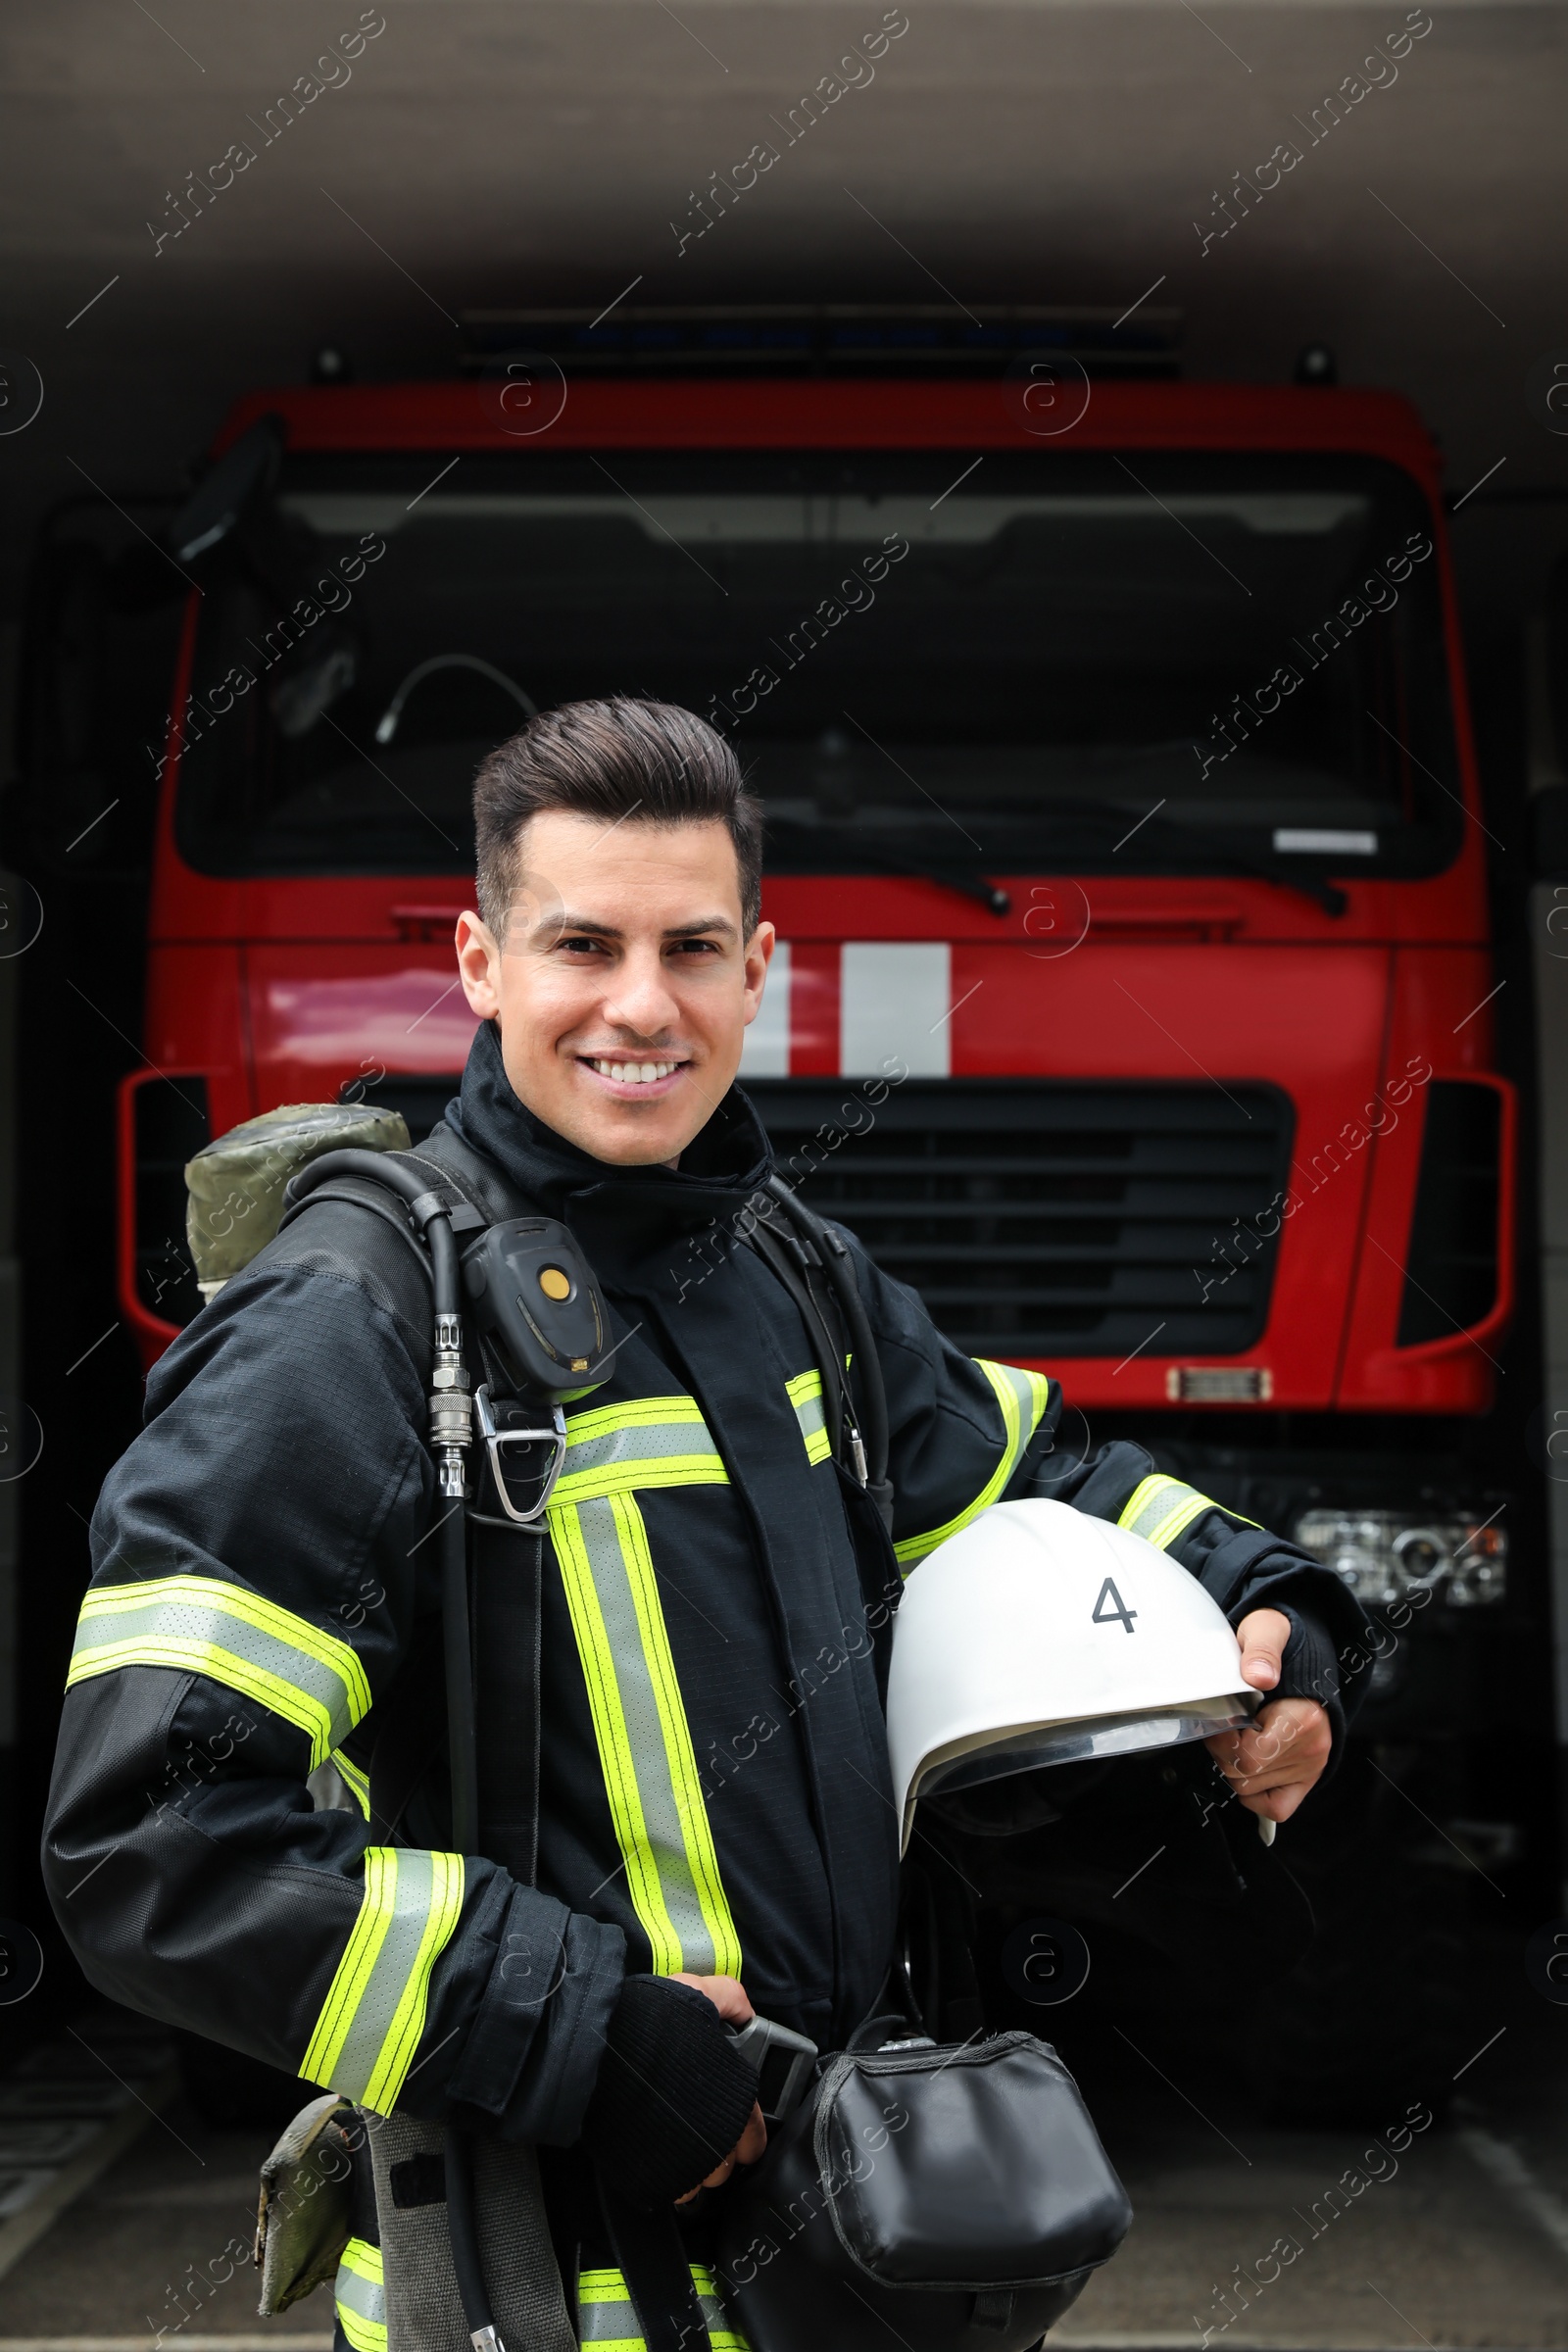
<point x="624" y="986"/>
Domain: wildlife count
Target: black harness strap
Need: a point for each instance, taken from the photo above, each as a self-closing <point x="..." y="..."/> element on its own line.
<point x="820" y="1247"/>
<point x="508" y="1630"/>
<point x="651" y="2256"/>
<point x="410" y="1726"/>
<point x="781" y="1254"/>
<point x="839" y="1266"/>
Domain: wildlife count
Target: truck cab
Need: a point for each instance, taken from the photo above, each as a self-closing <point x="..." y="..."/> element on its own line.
<point x="1134" y="997"/>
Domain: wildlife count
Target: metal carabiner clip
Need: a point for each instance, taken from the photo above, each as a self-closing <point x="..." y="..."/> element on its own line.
<point x="495" y="1440"/>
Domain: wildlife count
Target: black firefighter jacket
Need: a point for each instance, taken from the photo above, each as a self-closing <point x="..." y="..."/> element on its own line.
<point x="715" y="1792"/>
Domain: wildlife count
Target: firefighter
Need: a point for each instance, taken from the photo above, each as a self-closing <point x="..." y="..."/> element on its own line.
<point x="716" y="1831"/>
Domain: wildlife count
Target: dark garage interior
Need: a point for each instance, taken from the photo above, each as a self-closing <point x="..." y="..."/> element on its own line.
<point x="635" y="329"/>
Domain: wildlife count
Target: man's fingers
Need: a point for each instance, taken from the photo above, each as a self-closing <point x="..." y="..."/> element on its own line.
<point x="727" y="1994"/>
<point x="714" y="2180"/>
<point x="1275" y="1763"/>
<point x="747" y="2149"/>
<point x="1290" y="1738"/>
<point x="1277" y="1804"/>
<point x="1262" y="1635"/>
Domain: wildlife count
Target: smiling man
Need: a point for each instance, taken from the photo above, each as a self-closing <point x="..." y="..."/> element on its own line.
<point x="713" y="1819"/>
<point x="620" y="953"/>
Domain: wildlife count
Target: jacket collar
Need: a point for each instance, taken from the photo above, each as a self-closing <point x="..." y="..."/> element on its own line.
<point x="620" y="1215"/>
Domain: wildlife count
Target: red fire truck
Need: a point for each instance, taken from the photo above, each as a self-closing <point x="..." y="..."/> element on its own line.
<point x="1124" y="832"/>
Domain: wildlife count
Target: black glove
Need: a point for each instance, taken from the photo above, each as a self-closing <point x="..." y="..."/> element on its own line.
<point x="673" y="2094"/>
<point x="1309" y="1667"/>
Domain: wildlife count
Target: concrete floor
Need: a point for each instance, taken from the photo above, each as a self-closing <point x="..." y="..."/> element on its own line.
<point x="1459" y="2238"/>
<point x="115" y="2262"/>
<point x="1465" y="2245"/>
<point x="1440" y="2254"/>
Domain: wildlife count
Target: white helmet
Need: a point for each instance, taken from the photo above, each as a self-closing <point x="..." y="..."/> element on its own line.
<point x="1040" y="1636"/>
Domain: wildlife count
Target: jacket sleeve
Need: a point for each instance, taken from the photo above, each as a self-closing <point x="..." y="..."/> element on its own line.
<point x="1238" y="1562"/>
<point x="967" y="1432"/>
<point x="257" y="1578"/>
<point x="962" y="1431"/>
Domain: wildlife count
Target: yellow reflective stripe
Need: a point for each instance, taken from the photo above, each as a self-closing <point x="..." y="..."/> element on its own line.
<point x="628" y="1478"/>
<point x="247" y="1607"/>
<point x="203" y="1624"/>
<point x="681" y="1758"/>
<point x="650" y="1771"/>
<point x="359" y="2296"/>
<point x="364" y="2260"/>
<point x="805" y="1392"/>
<point x="1021" y="1398"/>
<point x="1160" y="1508"/>
<point x="354" y="1780"/>
<point x="361" y="2334"/>
<point x="609" y="2316"/>
<point x="650" y="1442"/>
<point x="373" y="2015"/>
<point x="611" y="1735"/>
<point x="640" y="1412"/>
<point x="1138" y="1512"/>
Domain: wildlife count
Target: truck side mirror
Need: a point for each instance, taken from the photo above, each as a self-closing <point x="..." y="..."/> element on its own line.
<point x="219" y="499"/>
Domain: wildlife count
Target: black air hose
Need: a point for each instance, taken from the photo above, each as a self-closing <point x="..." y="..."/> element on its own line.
<point x="449" y="1437"/>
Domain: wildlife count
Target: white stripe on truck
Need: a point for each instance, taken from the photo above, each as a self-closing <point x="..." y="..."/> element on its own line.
<point x="895" y="1003"/>
<point x="765" y="1047"/>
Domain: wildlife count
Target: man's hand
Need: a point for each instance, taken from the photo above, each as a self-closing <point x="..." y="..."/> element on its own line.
<point x="728" y="1997"/>
<point x="1273" y="1764"/>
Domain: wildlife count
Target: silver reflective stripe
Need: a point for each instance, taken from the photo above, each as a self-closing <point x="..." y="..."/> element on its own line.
<point x="609" y="2322"/>
<point x="805" y="1392"/>
<point x="203" y="1625"/>
<point x="1161" y="1508"/>
<point x="645" y="1748"/>
<point x="357" y="2291"/>
<point x="656" y="1440"/>
<point x="373" y="2015"/>
<point x="360" y="2294"/>
<point x="607" y="2314"/>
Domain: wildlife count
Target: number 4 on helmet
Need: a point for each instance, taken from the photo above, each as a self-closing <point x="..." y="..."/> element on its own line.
<point x="1010" y="1652"/>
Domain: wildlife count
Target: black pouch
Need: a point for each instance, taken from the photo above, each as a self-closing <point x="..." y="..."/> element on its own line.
<point x="957" y="2196"/>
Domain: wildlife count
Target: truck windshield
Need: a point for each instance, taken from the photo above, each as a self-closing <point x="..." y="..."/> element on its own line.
<point x="1001" y="663"/>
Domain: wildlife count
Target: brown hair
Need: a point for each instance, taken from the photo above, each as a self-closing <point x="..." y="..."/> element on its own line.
<point x="649" y="762"/>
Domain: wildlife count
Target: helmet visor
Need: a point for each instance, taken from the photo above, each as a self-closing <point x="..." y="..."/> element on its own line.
<point x="967" y="1765"/>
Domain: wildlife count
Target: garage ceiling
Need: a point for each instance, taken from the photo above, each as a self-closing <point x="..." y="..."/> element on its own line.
<point x="485" y="153"/>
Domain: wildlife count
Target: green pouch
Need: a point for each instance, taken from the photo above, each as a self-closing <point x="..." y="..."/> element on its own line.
<point x="306" y="2215"/>
<point x="236" y="1184"/>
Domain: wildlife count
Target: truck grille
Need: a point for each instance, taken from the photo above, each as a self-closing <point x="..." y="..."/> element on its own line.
<point x="1058" y="1218"/>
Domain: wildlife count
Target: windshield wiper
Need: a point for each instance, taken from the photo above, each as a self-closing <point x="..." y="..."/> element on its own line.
<point x="867" y="857"/>
<point x="1322" y="893"/>
<point x="989" y="894"/>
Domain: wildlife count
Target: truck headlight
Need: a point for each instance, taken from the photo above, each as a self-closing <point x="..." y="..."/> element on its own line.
<point x="1385" y="1555"/>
